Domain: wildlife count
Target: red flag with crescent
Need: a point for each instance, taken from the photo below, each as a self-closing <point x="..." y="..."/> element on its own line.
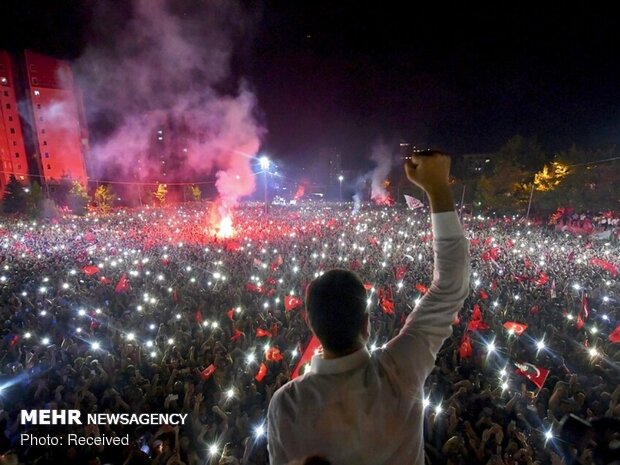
<point x="536" y="375"/>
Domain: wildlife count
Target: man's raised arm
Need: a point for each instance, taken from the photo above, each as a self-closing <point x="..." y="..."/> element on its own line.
<point x="431" y="321"/>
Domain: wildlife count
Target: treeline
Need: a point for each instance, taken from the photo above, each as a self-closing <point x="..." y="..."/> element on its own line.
<point x="586" y="180"/>
<point x="67" y="196"/>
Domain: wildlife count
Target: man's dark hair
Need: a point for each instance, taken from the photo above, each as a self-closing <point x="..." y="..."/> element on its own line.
<point x="336" y="306"/>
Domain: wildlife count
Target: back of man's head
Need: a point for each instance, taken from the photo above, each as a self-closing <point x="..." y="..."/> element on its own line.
<point x="336" y="307"/>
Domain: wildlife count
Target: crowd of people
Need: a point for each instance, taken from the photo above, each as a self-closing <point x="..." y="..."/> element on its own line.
<point x="151" y="311"/>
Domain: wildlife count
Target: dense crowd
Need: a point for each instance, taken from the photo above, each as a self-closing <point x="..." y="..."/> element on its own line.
<point x="151" y="312"/>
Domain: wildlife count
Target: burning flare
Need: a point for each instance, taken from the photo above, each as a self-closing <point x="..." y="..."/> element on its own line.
<point x="225" y="228"/>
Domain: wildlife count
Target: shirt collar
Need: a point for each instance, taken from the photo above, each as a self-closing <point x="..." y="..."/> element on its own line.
<point x="322" y="366"/>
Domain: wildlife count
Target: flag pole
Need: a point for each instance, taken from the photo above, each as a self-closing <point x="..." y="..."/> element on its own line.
<point x="527" y="215"/>
<point x="462" y="200"/>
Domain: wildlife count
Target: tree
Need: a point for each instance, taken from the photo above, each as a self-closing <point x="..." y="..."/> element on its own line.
<point x="104" y="198"/>
<point x="196" y="193"/>
<point x="524" y="153"/>
<point x="507" y="188"/>
<point x="160" y="193"/>
<point x="551" y="176"/>
<point x="15" y="197"/>
<point x="35" y="199"/>
<point x="77" y="200"/>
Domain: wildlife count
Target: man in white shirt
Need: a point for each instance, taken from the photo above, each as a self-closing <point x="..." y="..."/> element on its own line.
<point x="354" y="408"/>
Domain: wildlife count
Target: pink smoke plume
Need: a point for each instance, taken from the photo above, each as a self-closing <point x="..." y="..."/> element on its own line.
<point x="382" y="156"/>
<point x="154" y="79"/>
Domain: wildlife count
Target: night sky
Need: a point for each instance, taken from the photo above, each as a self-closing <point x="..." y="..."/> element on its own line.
<point x="345" y="74"/>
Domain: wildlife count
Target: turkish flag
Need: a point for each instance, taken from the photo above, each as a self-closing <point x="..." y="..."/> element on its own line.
<point x="476" y="323"/>
<point x="236" y="335"/>
<point x="207" y="372"/>
<point x="105" y="280"/>
<point x="421" y="288"/>
<point x="386" y="302"/>
<point x="368" y="286"/>
<point x="536" y="375"/>
<point x="254" y="288"/>
<point x="356" y="264"/>
<point x="260" y="332"/>
<point x="615" y="335"/>
<point x="477" y="314"/>
<point x="122" y="285"/>
<point x="90" y="270"/>
<point x="517" y="328"/>
<point x="199" y="317"/>
<point x="291" y="302"/>
<point x="262" y="372"/>
<point x="400" y="272"/>
<point x="230" y="313"/>
<point x="465" y="349"/>
<point x="273" y="354"/>
<point x="585" y="307"/>
<point x="483" y="295"/>
<point x="312" y="347"/>
<point x="579" y="322"/>
<point x="542" y="279"/>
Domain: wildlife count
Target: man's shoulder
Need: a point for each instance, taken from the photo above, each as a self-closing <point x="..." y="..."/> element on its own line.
<point x="291" y="392"/>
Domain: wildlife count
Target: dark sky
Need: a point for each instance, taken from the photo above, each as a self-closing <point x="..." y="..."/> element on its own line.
<point x="345" y="74"/>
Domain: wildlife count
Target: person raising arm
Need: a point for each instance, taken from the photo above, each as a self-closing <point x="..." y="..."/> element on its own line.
<point x="356" y="408"/>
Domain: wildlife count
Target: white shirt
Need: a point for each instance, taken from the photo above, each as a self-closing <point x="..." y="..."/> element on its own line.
<point x="367" y="409"/>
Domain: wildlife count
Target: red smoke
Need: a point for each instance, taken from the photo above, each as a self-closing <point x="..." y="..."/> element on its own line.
<point x="170" y="123"/>
<point x="301" y="190"/>
<point x="383" y="200"/>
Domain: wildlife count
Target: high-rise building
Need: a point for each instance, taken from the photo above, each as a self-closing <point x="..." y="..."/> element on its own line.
<point x="13" y="160"/>
<point x="55" y="114"/>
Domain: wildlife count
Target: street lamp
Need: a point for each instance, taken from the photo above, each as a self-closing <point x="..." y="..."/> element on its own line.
<point x="264" y="164"/>
<point x="340" y="179"/>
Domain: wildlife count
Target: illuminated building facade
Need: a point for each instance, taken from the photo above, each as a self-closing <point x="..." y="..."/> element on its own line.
<point x="55" y="114"/>
<point x="13" y="160"/>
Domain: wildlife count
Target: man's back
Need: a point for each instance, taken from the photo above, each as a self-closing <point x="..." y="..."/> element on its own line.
<point x="363" y="409"/>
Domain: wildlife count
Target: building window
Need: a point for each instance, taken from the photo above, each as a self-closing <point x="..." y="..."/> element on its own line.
<point x="49" y="167"/>
<point x="42" y="131"/>
<point x="47" y="155"/>
<point x="15" y="143"/>
<point x="10" y="118"/>
<point x="6" y="93"/>
<point x="39" y="106"/>
<point x="19" y="167"/>
<point x="37" y="93"/>
<point x="16" y="155"/>
<point x="44" y="142"/>
<point x="8" y="106"/>
<point x="12" y="130"/>
<point x="35" y="81"/>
